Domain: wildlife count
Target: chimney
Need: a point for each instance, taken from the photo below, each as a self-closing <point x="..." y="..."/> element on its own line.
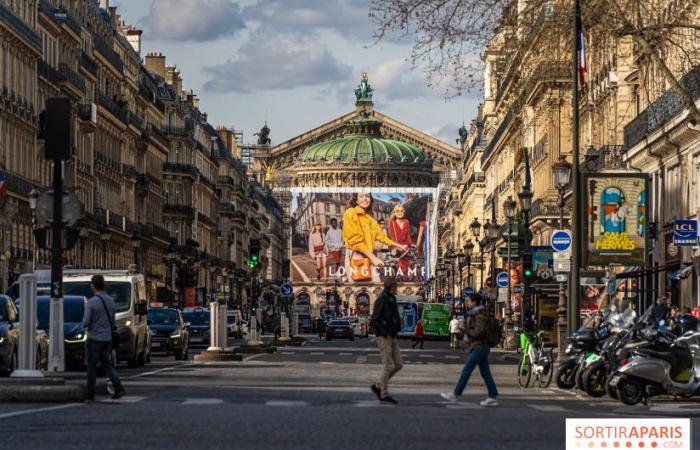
<point x="104" y="4"/>
<point x="133" y="35"/>
<point x="155" y="63"/>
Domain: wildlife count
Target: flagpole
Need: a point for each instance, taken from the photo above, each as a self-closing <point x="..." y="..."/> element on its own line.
<point x="576" y="211"/>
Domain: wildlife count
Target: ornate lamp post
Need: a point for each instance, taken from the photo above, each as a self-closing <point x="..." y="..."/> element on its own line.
<point x="33" y="195"/>
<point x="441" y="280"/>
<point x="562" y="176"/>
<point x="491" y="230"/>
<point x="136" y="245"/>
<point x="468" y="250"/>
<point x="475" y="227"/>
<point x="105" y="235"/>
<point x="450" y="256"/>
<point x="525" y="197"/>
<point x="509" y="212"/>
<point x="83" y="234"/>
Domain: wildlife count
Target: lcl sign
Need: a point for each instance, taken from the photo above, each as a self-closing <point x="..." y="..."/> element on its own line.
<point x="685" y="232"/>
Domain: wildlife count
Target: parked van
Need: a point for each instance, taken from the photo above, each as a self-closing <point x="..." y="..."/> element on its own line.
<point x="128" y="290"/>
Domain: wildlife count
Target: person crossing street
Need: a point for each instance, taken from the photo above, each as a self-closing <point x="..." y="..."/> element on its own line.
<point x="387" y="324"/>
<point x="420" y="335"/>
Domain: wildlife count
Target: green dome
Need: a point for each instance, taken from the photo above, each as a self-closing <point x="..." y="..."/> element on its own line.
<point x="363" y="146"/>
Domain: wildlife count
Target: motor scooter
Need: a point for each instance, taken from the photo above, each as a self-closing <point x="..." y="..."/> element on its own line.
<point x="652" y="372"/>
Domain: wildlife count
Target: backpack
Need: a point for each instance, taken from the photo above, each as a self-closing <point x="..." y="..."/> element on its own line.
<point x="493" y="331"/>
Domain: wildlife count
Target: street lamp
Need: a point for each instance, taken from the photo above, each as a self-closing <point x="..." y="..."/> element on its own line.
<point x="136" y="245"/>
<point x="475" y="226"/>
<point x="83" y="234"/>
<point x="450" y="256"/>
<point x="468" y="250"/>
<point x="509" y="212"/>
<point x="33" y="195"/>
<point x="105" y="235"/>
<point x="562" y="176"/>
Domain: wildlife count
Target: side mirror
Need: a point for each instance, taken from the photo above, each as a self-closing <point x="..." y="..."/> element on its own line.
<point x="141" y="308"/>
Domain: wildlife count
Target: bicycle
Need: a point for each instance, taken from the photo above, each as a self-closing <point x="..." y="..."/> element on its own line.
<point x="535" y="359"/>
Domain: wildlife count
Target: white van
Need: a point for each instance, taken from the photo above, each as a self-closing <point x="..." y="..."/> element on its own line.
<point x="128" y="290"/>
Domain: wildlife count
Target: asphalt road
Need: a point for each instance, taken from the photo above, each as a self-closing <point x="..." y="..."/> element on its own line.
<point x="315" y="397"/>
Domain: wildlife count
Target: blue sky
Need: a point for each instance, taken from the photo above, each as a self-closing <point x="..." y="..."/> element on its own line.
<point x="293" y="63"/>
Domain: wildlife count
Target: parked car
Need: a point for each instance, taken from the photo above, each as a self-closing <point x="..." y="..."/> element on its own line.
<point x="339" y="329"/>
<point x="74" y="335"/>
<point x="198" y="324"/>
<point x="169" y="333"/>
<point x="359" y="326"/>
<point x="234" y="324"/>
<point x="128" y="290"/>
<point x="9" y="338"/>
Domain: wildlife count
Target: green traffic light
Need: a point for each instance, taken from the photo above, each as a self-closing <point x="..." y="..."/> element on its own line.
<point x="254" y="257"/>
<point x="528" y="272"/>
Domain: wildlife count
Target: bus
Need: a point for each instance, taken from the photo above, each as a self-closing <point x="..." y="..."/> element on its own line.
<point x="436" y="320"/>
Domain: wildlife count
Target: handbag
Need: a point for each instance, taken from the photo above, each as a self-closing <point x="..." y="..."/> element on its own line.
<point x="319" y="248"/>
<point x="361" y="269"/>
<point x="115" y="333"/>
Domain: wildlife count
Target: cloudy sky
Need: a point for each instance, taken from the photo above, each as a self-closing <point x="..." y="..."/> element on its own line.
<point x="293" y="63"/>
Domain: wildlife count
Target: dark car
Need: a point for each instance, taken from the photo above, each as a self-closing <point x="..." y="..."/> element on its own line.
<point x="74" y="335"/>
<point x="198" y="325"/>
<point x="339" y="329"/>
<point x="9" y="338"/>
<point x="169" y="334"/>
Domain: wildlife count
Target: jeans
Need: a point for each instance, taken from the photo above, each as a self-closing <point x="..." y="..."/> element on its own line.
<point x="391" y="361"/>
<point x="102" y="352"/>
<point x="478" y="356"/>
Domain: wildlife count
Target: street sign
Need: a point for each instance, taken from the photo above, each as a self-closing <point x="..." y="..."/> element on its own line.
<point x="449" y="297"/>
<point x="286" y="289"/>
<point x="561" y="255"/>
<point x="519" y="289"/>
<point x="467" y="291"/>
<point x="502" y="279"/>
<point x="72" y="209"/>
<point x="685" y="232"/>
<point x="502" y="294"/>
<point x="561" y="241"/>
<point x="562" y="265"/>
<point x="561" y="277"/>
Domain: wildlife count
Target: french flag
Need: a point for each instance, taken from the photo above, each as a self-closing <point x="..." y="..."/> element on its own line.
<point x="3" y="185"/>
<point x="581" y="53"/>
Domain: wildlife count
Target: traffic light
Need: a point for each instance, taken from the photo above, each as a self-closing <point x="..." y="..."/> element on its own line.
<point x="254" y="251"/>
<point x="528" y="270"/>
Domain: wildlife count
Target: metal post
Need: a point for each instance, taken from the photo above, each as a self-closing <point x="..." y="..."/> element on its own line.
<point x="104" y="254"/>
<point x="27" y="318"/>
<point x="214" y="343"/>
<point x="561" y="307"/>
<point x="576" y="229"/>
<point x="223" y="325"/>
<point x="509" y="310"/>
<point x="56" y="350"/>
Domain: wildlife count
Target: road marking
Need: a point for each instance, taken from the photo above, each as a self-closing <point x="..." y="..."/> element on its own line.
<point x="38" y="410"/>
<point x="453" y="357"/>
<point x="344" y="354"/>
<point x="203" y="401"/>
<point x="328" y="363"/>
<point x="125" y="399"/>
<point x="426" y="356"/>
<point x="461" y="405"/>
<point x="251" y="357"/>
<point x="287" y="353"/>
<point x="153" y="372"/>
<point x="286" y="403"/>
<point x="316" y="353"/>
<point x="548" y="408"/>
<point x="361" y="360"/>
<point x="372" y="404"/>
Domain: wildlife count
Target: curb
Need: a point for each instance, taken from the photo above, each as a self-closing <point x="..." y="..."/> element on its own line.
<point x="218" y="356"/>
<point x="23" y="393"/>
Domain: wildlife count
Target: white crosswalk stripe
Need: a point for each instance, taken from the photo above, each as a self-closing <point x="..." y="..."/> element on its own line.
<point x="548" y="408"/>
<point x="287" y="403"/>
<point x="125" y="399"/>
<point x="461" y="405"/>
<point x="203" y="401"/>
<point x="426" y="356"/>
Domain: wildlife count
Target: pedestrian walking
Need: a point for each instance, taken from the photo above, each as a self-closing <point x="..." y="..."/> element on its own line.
<point x="387" y="324"/>
<point x="419" y="335"/>
<point x="476" y="329"/>
<point x="99" y="319"/>
<point x="455" y="332"/>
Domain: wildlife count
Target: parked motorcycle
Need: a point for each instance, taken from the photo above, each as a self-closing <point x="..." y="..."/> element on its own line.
<point x="581" y="344"/>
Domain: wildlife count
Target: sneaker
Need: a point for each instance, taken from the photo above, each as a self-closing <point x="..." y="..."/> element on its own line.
<point x="119" y="393"/>
<point x="449" y="396"/>
<point x="489" y="402"/>
<point x="389" y="399"/>
<point x="374" y="388"/>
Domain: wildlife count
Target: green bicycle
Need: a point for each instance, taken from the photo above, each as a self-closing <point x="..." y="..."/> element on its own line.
<point x="534" y="358"/>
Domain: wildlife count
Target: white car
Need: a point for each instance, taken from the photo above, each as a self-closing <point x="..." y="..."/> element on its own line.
<point x="359" y="326"/>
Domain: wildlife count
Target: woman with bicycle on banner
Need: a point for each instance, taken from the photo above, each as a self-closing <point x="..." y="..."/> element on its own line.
<point x="360" y="232"/>
<point x="400" y="232"/>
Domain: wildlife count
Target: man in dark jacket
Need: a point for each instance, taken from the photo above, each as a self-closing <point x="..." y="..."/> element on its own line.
<point x="476" y="328"/>
<point x="387" y="324"/>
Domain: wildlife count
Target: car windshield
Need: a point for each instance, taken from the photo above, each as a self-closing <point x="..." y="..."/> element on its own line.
<point x="163" y="316"/>
<point x="197" y="317"/>
<point x="231" y="320"/>
<point x="340" y="323"/>
<point x="73" y="310"/>
<point x="119" y="291"/>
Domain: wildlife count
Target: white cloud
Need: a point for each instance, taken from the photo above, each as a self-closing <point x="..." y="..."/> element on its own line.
<point x="277" y="64"/>
<point x="448" y="133"/>
<point x="200" y="21"/>
<point x="397" y="80"/>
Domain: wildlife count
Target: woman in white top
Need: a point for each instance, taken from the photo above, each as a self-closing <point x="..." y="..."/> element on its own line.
<point x="318" y="251"/>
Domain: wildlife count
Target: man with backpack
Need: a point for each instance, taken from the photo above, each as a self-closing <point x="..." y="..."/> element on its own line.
<point x="98" y="319"/>
<point x="479" y="329"/>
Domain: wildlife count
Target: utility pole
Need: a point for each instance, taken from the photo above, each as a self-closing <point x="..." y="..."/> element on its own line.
<point x="576" y="224"/>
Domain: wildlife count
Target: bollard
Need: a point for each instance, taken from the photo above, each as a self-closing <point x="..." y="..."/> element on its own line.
<point x="295" y="324"/>
<point x="57" y="355"/>
<point x="214" y="343"/>
<point x="223" y="325"/>
<point x="253" y="333"/>
<point x="27" y="318"/>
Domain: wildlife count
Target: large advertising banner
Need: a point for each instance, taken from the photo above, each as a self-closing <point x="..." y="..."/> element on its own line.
<point x="360" y="237"/>
<point x="615" y="207"/>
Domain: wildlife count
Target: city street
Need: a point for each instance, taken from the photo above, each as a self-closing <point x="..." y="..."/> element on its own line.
<point x="315" y="397"/>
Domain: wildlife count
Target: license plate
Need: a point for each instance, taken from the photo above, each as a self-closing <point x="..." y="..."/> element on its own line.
<point x="155" y="344"/>
<point x="195" y="339"/>
<point x="614" y="380"/>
